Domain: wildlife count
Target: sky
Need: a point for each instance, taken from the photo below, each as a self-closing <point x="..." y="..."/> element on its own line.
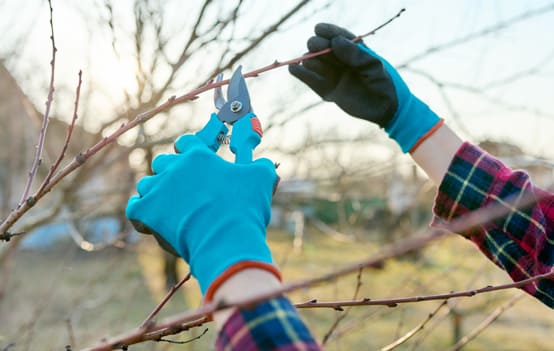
<point x="498" y="85"/>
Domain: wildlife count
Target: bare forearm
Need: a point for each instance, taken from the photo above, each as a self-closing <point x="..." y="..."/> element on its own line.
<point x="244" y="284"/>
<point x="435" y="154"/>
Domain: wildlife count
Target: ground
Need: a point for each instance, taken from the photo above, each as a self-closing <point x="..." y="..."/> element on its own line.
<point x="67" y="296"/>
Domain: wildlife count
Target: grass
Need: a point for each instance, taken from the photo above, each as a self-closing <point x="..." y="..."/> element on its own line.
<point x="58" y="296"/>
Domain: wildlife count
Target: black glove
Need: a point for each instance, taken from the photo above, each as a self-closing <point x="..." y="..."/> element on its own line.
<point x="366" y="86"/>
<point x="353" y="78"/>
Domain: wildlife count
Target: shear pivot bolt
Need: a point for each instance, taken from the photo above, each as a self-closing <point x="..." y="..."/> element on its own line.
<point x="236" y="106"/>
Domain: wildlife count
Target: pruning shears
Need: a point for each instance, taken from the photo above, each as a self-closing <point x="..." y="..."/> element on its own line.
<point x="235" y="111"/>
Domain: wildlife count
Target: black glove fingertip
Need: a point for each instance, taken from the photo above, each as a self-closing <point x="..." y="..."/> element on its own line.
<point x="351" y="54"/>
<point x="316" y="44"/>
<point x="316" y="82"/>
<point x="328" y="30"/>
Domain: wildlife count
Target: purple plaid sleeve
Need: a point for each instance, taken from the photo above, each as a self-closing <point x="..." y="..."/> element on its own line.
<point x="521" y="243"/>
<point x="272" y="325"/>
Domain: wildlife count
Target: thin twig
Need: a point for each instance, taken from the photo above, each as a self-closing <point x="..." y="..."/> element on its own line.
<point x="393" y="302"/>
<point x="277" y="64"/>
<point x="42" y="135"/>
<point x="186" y="341"/>
<point x="485" y="323"/>
<point x="415" y="330"/>
<point x="342" y="316"/>
<point x="451" y="306"/>
<point x="61" y="156"/>
<point x="168" y="296"/>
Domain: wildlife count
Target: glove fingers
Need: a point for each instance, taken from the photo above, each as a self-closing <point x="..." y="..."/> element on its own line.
<point x="145" y="184"/>
<point x="265" y="165"/>
<point x="187" y="142"/>
<point x="162" y="162"/>
<point x="265" y="170"/>
<point x="317" y="43"/>
<point x="328" y="30"/>
<point x="132" y="208"/>
<point x="352" y="54"/>
<point x="320" y="67"/>
<point x="315" y="81"/>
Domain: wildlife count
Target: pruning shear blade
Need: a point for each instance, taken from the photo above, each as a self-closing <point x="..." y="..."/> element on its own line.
<point x="238" y="99"/>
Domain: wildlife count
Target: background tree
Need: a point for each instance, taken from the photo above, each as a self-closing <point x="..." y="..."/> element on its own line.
<point x="137" y="54"/>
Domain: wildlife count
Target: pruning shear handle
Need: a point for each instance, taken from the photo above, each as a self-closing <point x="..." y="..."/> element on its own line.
<point x="236" y="110"/>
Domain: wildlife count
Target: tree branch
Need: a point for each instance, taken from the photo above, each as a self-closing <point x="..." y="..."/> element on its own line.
<point x="460" y="224"/>
<point x="415" y="330"/>
<point x="42" y="135"/>
<point x="61" y="156"/>
<point x="168" y="296"/>
<point x="484" y="324"/>
<point x="80" y="159"/>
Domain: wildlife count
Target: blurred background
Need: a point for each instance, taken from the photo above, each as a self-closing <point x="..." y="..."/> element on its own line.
<point x="80" y="273"/>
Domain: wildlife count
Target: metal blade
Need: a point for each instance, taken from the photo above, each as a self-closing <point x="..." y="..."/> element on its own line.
<point x="237" y="88"/>
<point x="219" y="100"/>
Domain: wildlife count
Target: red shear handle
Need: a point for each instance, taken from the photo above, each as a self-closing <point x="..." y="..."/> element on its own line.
<point x="247" y="134"/>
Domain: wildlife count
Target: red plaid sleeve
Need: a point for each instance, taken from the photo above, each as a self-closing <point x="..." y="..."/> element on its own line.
<point x="521" y="243"/>
<point x="273" y="325"/>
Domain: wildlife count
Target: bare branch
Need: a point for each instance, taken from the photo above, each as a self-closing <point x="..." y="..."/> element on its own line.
<point x="415" y="330"/>
<point x="183" y="342"/>
<point x="393" y="302"/>
<point x="342" y="316"/>
<point x="61" y="156"/>
<point x="80" y="159"/>
<point x="42" y="135"/>
<point x="485" y="323"/>
<point x="158" y="308"/>
<point x="277" y="64"/>
<point x="460" y="224"/>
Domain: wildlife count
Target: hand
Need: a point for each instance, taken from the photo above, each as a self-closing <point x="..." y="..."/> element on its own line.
<point x="211" y="212"/>
<point x="364" y="85"/>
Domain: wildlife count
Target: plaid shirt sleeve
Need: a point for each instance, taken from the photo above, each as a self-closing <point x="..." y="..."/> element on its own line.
<point x="272" y="325"/>
<point x="521" y="243"/>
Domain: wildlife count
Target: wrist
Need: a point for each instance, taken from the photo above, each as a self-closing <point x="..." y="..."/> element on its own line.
<point x="237" y="269"/>
<point x="435" y="154"/>
<point x="413" y="122"/>
<point x="241" y="286"/>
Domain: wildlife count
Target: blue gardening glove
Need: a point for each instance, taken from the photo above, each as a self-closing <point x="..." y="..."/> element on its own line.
<point x="211" y="212"/>
<point x="364" y="85"/>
